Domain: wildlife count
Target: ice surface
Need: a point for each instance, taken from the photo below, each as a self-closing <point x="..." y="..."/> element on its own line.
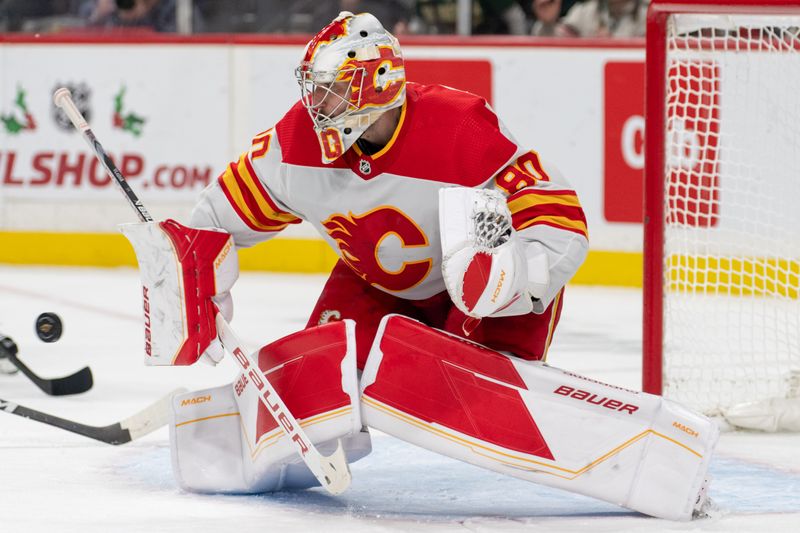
<point x="54" y="481"/>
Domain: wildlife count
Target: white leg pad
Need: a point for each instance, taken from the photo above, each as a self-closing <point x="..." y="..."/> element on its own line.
<point x="535" y="422"/>
<point x="206" y="441"/>
<point x="224" y="439"/>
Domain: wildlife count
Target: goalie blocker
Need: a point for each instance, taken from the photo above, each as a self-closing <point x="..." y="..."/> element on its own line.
<point x="186" y="275"/>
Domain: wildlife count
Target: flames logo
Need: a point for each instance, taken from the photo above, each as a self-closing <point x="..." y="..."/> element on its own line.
<point x="359" y="238"/>
<point x="375" y="83"/>
<point x="335" y="30"/>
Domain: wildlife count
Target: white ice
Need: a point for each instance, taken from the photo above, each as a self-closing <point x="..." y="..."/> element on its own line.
<point x="54" y="481"/>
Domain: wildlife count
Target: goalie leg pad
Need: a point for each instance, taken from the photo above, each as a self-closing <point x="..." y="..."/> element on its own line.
<point x="205" y="441"/>
<point x="232" y="443"/>
<point x="535" y="422"/>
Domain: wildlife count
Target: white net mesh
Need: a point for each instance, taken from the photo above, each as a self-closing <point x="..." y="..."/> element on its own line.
<point x="732" y="208"/>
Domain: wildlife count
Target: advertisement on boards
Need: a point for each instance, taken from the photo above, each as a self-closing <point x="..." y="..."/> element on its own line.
<point x="144" y="110"/>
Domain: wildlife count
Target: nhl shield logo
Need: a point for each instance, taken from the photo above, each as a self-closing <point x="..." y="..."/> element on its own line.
<point x="364" y="166"/>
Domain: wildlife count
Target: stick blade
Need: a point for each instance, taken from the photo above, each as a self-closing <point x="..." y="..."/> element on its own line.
<point x="80" y="381"/>
<point x="337" y="471"/>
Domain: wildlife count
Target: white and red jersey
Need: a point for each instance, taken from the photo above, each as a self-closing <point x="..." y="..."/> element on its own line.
<point x="380" y="212"/>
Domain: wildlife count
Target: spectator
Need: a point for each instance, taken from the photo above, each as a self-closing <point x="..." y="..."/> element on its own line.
<point x="546" y="15"/>
<point x="250" y="16"/>
<point x="592" y="18"/>
<point x="36" y="15"/>
<point x="396" y="15"/>
<point x="158" y="15"/>
<point x="501" y="17"/>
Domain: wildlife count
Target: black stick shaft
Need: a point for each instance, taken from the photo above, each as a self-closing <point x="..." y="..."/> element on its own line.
<point x="115" y="173"/>
<point x="63" y="99"/>
<point x="137" y="425"/>
<point x="112" y="434"/>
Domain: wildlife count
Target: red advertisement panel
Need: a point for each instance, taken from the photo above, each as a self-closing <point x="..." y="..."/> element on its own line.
<point x="470" y="75"/>
<point x="623" y="176"/>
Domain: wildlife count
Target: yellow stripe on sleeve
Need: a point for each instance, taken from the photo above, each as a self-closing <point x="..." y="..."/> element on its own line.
<point x="532" y="199"/>
<point x="240" y="205"/>
<point x="268" y="209"/>
<point x="564" y="222"/>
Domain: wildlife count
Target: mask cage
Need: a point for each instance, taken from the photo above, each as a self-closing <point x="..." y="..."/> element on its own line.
<point x="323" y="83"/>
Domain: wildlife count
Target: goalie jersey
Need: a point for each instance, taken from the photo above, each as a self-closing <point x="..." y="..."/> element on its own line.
<point x="380" y="212"/>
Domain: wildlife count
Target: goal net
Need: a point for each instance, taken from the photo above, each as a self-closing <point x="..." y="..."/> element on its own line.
<point x="723" y="205"/>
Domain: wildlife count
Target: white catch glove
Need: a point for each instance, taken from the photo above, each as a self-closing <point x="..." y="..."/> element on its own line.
<point x="487" y="269"/>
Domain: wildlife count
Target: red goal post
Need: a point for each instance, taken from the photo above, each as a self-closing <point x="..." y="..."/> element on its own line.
<point x="722" y="203"/>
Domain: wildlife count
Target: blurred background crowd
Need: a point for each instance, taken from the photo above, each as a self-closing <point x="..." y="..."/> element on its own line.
<point x="545" y="18"/>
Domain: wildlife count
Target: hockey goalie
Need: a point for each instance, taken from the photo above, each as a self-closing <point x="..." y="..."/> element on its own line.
<point x="455" y="245"/>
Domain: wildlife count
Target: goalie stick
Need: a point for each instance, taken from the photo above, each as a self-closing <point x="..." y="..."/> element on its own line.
<point x="332" y="471"/>
<point x="138" y="425"/>
<point x="80" y="381"/>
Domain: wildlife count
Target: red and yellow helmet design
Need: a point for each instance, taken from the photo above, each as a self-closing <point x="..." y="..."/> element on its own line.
<point x="351" y="73"/>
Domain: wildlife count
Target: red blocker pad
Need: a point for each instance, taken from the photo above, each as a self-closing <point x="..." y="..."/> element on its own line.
<point x="535" y="422"/>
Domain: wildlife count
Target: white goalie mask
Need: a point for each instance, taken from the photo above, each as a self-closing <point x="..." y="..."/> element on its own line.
<point x="352" y="72"/>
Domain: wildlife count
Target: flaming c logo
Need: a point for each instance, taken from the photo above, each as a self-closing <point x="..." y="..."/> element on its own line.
<point x="359" y="238"/>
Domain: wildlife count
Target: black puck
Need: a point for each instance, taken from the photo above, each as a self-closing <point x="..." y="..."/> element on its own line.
<point x="49" y="327"/>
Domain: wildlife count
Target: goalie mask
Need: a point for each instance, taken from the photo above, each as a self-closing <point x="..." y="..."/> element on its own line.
<point x="352" y="72"/>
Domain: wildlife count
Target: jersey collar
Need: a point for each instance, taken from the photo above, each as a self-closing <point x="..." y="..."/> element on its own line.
<point x="392" y="140"/>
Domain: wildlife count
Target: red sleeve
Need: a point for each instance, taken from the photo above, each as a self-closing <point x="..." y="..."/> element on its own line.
<point x="481" y="147"/>
<point x="450" y="136"/>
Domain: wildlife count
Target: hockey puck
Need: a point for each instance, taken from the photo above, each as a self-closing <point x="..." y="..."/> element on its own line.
<point x="49" y="327"/>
